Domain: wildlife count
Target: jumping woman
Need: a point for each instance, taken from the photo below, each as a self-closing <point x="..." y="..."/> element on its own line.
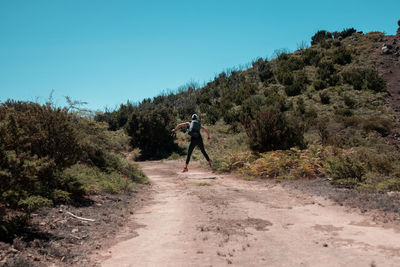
<point x="195" y="140"/>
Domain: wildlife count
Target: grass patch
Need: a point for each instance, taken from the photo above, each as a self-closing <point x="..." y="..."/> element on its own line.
<point x="203" y="184"/>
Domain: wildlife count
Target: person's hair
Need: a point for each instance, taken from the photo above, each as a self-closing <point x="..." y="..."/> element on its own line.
<point x="195" y="117"/>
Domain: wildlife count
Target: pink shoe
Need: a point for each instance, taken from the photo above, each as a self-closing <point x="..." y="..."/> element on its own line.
<point x="185" y="169"/>
<point x="211" y="166"/>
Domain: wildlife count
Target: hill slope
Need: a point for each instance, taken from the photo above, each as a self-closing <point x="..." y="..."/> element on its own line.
<point x="329" y="100"/>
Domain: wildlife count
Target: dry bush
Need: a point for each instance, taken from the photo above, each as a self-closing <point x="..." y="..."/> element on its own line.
<point x="280" y="164"/>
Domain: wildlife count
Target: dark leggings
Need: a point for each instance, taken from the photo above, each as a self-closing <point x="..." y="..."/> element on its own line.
<point x="196" y="141"/>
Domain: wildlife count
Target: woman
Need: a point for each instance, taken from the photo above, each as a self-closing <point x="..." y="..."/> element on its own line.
<point x="195" y="140"/>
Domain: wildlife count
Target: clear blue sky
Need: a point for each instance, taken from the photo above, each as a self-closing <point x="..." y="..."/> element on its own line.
<point x="106" y="52"/>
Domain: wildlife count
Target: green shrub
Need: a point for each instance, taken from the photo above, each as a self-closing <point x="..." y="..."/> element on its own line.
<point x="378" y="124"/>
<point x="265" y="73"/>
<point x="285" y="67"/>
<point x="336" y="43"/>
<point x="253" y="104"/>
<point x="322" y="127"/>
<point x="61" y="196"/>
<point x="271" y="129"/>
<point x="364" y="79"/>
<point x="326" y="44"/>
<point x="344" y="112"/>
<point x="202" y="98"/>
<point x="341" y="56"/>
<point x="9" y="228"/>
<point x="375" y="36"/>
<point x="116" y="119"/>
<point x="285" y="78"/>
<point x="354" y="77"/>
<point x="325" y="98"/>
<point x="391" y="184"/>
<point x="374" y="81"/>
<point x="382" y="164"/>
<point x="272" y="98"/>
<point x="33" y="203"/>
<point x="320" y="36"/>
<point x="186" y="110"/>
<point x="244" y="91"/>
<point x="151" y="132"/>
<point x="311" y="57"/>
<point x="294" y="89"/>
<point x="346" y="171"/>
<point x="311" y="112"/>
<point x="345" y="33"/>
<point x="334" y="79"/>
<point x="325" y="71"/>
<point x="37" y="142"/>
<point x="298" y="85"/>
<point x="115" y="183"/>
<point x="301" y="77"/>
<point x="282" y="55"/>
<point x="231" y="116"/>
<point x="349" y="101"/>
<point x="351" y="121"/>
<point x="319" y="85"/>
<point x="301" y="107"/>
<point x="94" y="181"/>
<point x="292" y="63"/>
<point x="213" y="114"/>
<point x="286" y="62"/>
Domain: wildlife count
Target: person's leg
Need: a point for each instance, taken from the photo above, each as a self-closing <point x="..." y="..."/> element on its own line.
<point x="201" y="146"/>
<point x="192" y="145"/>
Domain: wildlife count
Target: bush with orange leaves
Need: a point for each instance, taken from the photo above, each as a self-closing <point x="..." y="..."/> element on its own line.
<point x="293" y="163"/>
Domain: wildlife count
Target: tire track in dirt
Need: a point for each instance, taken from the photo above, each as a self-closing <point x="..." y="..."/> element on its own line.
<point x="201" y="218"/>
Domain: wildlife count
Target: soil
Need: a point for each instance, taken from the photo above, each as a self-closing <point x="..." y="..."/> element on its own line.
<point x="54" y="238"/>
<point x="200" y="218"/>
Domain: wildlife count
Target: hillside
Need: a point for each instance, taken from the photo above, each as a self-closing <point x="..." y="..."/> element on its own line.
<point x="328" y="110"/>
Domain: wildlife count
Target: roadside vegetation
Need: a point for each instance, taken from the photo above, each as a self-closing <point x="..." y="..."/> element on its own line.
<point x="51" y="155"/>
<point x="317" y="112"/>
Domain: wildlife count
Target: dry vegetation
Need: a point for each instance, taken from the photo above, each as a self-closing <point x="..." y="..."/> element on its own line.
<point x="334" y="90"/>
<point x="52" y="156"/>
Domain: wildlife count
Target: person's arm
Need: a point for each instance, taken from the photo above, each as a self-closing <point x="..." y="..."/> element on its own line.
<point x="181" y="125"/>
<point x="208" y="134"/>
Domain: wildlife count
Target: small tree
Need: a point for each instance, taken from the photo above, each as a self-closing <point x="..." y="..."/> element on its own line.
<point x="364" y="79"/>
<point x="151" y="132"/>
<point x="319" y="36"/>
<point x="37" y="142"/>
<point x="342" y="56"/>
<point x="345" y="33"/>
<point x="270" y="128"/>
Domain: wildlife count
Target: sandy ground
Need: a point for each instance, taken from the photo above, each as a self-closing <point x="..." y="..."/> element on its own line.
<point x="200" y="218"/>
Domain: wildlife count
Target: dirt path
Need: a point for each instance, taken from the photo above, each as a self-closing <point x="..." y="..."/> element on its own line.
<point x="203" y="219"/>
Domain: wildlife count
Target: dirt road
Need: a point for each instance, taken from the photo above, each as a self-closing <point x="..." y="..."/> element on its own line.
<point x="204" y="219"/>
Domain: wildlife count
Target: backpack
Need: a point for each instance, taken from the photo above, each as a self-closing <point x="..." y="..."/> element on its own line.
<point x="194" y="129"/>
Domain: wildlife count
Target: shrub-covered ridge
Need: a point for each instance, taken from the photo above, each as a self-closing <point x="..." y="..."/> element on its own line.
<point x="329" y="95"/>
